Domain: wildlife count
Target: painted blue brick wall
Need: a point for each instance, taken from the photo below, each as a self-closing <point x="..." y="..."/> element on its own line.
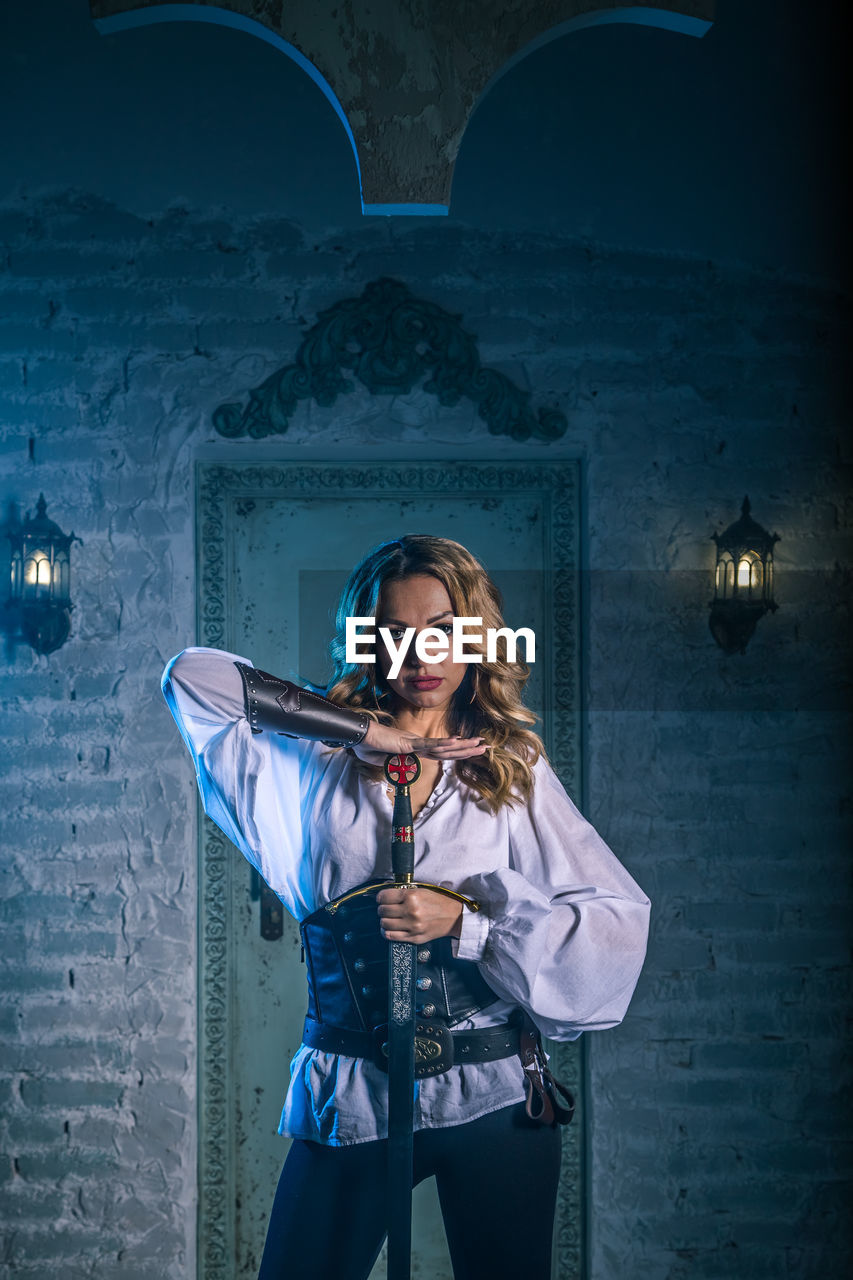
<point x="714" y="1114"/>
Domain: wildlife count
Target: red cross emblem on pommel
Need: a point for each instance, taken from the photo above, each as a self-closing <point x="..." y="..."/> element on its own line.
<point x="402" y="771"/>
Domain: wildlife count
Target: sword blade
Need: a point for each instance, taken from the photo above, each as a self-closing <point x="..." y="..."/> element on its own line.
<point x="401" y="1106"/>
<point x="401" y="771"/>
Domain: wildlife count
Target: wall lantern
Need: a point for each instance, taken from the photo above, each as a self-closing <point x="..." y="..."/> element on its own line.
<point x="38" y="609"/>
<point x="743" y="583"/>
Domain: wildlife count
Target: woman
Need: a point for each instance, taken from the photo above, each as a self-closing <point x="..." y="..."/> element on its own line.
<point x="543" y="923"/>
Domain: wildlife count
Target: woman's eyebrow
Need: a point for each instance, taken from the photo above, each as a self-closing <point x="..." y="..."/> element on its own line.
<point x="395" y="622"/>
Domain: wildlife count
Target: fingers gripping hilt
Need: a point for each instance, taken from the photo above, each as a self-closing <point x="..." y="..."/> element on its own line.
<point x="401" y="771"/>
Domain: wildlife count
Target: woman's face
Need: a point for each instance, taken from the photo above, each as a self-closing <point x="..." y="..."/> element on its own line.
<point x="421" y="602"/>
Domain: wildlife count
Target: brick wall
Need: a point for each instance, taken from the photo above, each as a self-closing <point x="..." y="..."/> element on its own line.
<point x="717" y="780"/>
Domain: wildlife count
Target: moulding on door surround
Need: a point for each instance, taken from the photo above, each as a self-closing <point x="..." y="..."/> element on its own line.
<point x="221" y="487"/>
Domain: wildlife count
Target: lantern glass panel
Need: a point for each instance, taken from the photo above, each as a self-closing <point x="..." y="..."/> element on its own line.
<point x="60" y="577"/>
<point x="37" y="576"/>
<point x="31" y="577"/>
<point x="725" y="576"/>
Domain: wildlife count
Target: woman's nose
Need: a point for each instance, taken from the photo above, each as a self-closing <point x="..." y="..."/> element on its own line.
<point x="412" y="661"/>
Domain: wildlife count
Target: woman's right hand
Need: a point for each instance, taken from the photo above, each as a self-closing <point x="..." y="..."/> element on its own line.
<point x="383" y="740"/>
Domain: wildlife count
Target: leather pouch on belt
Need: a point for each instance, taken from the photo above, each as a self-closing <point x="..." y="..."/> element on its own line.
<point x="433" y="1048"/>
<point x="547" y="1102"/>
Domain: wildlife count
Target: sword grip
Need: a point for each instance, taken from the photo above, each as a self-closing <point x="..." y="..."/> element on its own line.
<point x="401" y="771"/>
<point x="402" y="838"/>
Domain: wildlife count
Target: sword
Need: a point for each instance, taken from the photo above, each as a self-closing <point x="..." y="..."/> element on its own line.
<point x="401" y="771"/>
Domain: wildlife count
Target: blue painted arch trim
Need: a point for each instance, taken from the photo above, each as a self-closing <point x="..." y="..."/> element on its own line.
<point x="219" y="17"/>
<point x="633" y="15"/>
<point x="647" y="16"/>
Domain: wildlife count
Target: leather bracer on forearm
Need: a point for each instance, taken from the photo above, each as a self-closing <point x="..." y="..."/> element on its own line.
<point x="282" y="707"/>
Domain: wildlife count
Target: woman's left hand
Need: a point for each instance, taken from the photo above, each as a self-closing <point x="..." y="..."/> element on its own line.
<point x="418" y="915"/>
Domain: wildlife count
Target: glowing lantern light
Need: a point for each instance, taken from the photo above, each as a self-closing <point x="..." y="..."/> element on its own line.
<point x="38" y="609"/>
<point x="743" y="581"/>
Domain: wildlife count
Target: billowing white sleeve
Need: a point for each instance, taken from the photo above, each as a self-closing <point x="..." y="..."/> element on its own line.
<point x="252" y="785"/>
<point x="562" y="930"/>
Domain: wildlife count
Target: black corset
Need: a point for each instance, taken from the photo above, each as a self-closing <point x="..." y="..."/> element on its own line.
<point x="347" y="961"/>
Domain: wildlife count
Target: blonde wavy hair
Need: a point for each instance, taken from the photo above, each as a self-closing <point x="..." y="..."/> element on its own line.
<point x="488" y="701"/>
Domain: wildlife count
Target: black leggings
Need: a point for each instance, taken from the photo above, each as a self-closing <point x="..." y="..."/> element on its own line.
<point x="497" y="1186"/>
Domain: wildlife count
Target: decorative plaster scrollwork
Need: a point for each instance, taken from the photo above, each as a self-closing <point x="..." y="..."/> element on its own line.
<point x="390" y="341"/>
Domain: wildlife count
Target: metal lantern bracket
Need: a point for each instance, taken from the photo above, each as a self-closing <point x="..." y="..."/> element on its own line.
<point x="38" y="607"/>
<point x="743" y="581"/>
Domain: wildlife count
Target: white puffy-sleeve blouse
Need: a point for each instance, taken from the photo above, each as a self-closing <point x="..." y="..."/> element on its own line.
<point x="561" y="931"/>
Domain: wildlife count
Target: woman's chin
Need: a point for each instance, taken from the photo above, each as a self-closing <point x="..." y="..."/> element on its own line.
<point x="424" y="698"/>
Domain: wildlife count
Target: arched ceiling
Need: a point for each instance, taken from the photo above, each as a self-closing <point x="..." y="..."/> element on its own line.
<point x="405" y="77"/>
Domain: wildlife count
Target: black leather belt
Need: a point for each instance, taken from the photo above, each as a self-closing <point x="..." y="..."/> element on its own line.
<point x="437" y="1048"/>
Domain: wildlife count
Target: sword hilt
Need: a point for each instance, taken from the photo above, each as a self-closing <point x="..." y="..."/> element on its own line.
<point x="401" y="771"/>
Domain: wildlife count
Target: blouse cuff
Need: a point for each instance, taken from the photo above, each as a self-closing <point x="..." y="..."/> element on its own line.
<point x="471" y="942"/>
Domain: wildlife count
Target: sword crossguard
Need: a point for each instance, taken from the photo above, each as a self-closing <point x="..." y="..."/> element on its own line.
<point x="402" y="770"/>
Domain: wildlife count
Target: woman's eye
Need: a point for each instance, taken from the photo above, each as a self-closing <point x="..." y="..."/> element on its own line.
<point x="397" y="633"/>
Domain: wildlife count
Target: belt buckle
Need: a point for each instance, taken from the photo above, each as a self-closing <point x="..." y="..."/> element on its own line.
<point x="433" y="1048"/>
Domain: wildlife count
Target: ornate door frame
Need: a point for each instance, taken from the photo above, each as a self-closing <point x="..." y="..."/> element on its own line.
<point x="219" y="486"/>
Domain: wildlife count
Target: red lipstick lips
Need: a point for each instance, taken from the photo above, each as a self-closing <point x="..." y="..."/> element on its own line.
<point x="425" y="682"/>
